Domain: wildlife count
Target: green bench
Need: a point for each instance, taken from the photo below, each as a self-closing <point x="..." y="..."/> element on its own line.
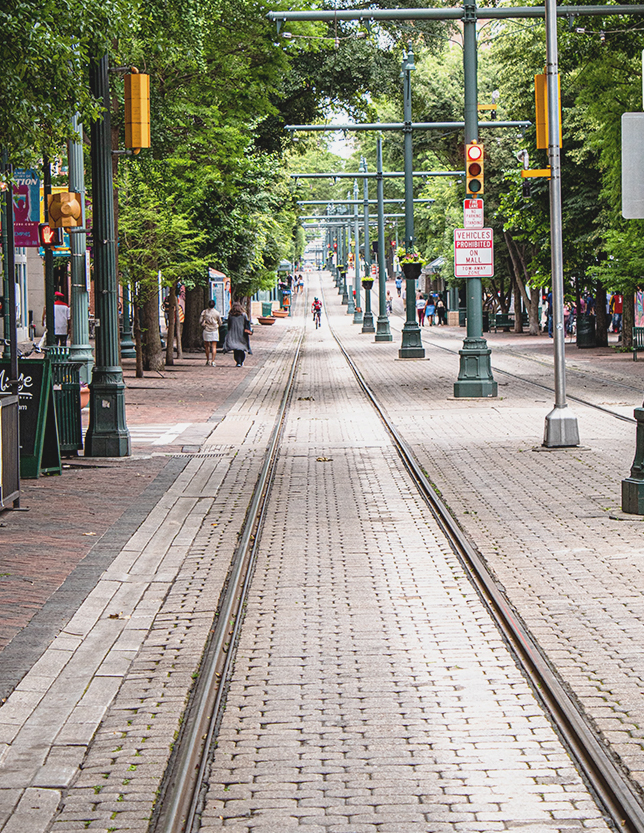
<point x="638" y="341"/>
<point x="501" y="321"/>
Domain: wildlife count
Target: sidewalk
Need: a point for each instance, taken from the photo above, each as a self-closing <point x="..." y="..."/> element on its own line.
<point x="79" y="521"/>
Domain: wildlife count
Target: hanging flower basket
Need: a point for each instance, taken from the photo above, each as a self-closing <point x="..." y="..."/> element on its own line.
<point x="412" y="269"/>
<point x="367" y="283"/>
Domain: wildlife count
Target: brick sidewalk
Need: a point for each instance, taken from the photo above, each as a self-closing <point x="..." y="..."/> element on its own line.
<point x="83" y="516"/>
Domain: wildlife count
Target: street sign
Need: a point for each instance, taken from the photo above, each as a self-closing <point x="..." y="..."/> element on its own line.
<point x="473" y="253"/>
<point x="473" y="214"/>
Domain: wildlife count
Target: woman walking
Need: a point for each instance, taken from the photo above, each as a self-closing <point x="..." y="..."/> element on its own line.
<point x="210" y="321"/>
<point x="430" y="309"/>
<point x="237" y="336"/>
<point x="420" y="308"/>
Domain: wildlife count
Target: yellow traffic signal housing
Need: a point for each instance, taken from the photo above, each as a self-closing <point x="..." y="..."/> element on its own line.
<point x="541" y="107"/>
<point x="65" y="210"/>
<point x="474" y="169"/>
<point x="137" y="111"/>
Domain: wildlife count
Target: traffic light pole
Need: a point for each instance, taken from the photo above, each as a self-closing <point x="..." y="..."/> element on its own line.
<point x="80" y="349"/>
<point x="383" y="333"/>
<point x="561" y="429"/>
<point x="107" y="435"/>
<point x="475" y="372"/>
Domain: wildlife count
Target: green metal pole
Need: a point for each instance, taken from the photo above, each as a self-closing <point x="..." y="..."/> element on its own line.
<point x="411" y="346"/>
<point x="383" y="333"/>
<point x="107" y="435"/>
<point x="358" y="314"/>
<point x="5" y="269"/>
<point x="367" y="320"/>
<point x="346" y="238"/>
<point x="475" y="374"/>
<point x="49" y="260"/>
<point x="80" y="349"/>
<point x="128" y="348"/>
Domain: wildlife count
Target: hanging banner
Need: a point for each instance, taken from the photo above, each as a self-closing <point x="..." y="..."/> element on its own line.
<point x="26" y="208"/>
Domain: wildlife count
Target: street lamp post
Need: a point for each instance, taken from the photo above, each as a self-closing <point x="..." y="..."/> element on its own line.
<point x="475" y="372"/>
<point x="383" y="333"/>
<point x="411" y="346"/>
<point x="367" y="319"/>
<point x="357" y="314"/>
<point x="107" y="435"/>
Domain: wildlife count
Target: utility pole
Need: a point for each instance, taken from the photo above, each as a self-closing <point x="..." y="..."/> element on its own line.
<point x="383" y="333"/>
<point x="475" y="374"/>
<point x="107" y="435"/>
<point x="80" y="349"/>
<point x="561" y="429"/>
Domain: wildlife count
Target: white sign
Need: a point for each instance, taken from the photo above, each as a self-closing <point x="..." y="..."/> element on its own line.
<point x="473" y="214"/>
<point x="473" y="253"/>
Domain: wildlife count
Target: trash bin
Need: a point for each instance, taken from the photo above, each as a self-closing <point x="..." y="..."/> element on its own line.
<point x="267" y="308"/>
<point x="586" y="331"/>
<point x="223" y="330"/>
<point x="462" y="312"/>
<point x="486" y="321"/>
<point x="66" y="379"/>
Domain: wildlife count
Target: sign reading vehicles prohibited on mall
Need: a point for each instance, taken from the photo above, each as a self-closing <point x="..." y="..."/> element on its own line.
<point x="473" y="253"/>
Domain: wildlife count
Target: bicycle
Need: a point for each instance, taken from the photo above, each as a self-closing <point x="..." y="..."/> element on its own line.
<point x="317" y="318"/>
<point x="24" y="354"/>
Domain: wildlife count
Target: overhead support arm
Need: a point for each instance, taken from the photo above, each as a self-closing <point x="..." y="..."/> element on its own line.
<point x="367" y="15"/>
<point x="416" y="125"/>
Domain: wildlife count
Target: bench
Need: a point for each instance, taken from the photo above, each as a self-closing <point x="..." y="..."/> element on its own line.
<point x="638" y="341"/>
<point x="501" y="321"/>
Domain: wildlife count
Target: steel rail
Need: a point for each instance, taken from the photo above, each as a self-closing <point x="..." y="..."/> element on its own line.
<point x="180" y="801"/>
<point x="606" y="780"/>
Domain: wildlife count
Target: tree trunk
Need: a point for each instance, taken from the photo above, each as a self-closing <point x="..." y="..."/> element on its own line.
<point x="137" y="339"/>
<point x="196" y="302"/>
<point x="628" y="319"/>
<point x="518" y="317"/>
<point x="531" y="302"/>
<point x="150" y="333"/>
<point x="601" y="336"/>
<point x="179" y="327"/>
<point x="172" y="316"/>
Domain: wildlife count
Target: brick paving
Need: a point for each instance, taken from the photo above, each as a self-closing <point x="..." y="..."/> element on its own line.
<point x="371" y="690"/>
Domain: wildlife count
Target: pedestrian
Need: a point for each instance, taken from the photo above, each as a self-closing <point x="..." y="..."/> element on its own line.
<point x="617" y="304"/>
<point x="61" y="319"/>
<point x="440" y="311"/>
<point x="430" y="309"/>
<point x="549" y="302"/>
<point x="398" y="285"/>
<point x="420" y="309"/>
<point x="237" y="337"/>
<point x="389" y="303"/>
<point x="210" y="321"/>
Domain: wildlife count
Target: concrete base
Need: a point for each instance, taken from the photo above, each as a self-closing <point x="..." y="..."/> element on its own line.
<point x="561" y="429"/>
<point x="367" y="323"/>
<point x="633" y="496"/>
<point x="383" y="333"/>
<point x="475" y="375"/>
<point x="452" y="318"/>
<point x="358" y="316"/>
<point x="411" y="346"/>
<point x="107" y="435"/>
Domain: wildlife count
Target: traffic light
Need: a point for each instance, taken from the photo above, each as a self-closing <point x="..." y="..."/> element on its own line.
<point x="474" y="155"/>
<point x="137" y="111"/>
<point x="65" y="210"/>
<point x="1" y="305"/>
<point x="50" y="236"/>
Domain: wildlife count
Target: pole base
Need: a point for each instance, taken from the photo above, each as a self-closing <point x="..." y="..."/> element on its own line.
<point x="83" y="354"/>
<point x="383" y="333"/>
<point x="411" y="346"/>
<point x="128" y="348"/>
<point x="345" y="297"/>
<point x="475" y="380"/>
<point x="367" y="323"/>
<point x="358" y="316"/>
<point x="561" y="429"/>
<point x="633" y="496"/>
<point x="107" y="435"/>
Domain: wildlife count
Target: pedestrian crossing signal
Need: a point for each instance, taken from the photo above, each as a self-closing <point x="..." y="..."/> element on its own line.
<point x="474" y="162"/>
<point x="49" y="236"/>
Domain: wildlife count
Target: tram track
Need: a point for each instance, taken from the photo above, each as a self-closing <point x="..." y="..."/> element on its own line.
<point x="548" y="388"/>
<point x="603" y="775"/>
<point x="184" y="793"/>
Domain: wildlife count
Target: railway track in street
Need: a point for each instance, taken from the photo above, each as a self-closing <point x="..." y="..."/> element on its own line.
<point x="183" y="797"/>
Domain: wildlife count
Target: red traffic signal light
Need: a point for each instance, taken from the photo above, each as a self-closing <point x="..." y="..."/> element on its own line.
<point x="474" y="155"/>
<point x="49" y="236"/>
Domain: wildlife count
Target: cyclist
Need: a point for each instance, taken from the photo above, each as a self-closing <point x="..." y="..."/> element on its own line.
<point x="316" y="309"/>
